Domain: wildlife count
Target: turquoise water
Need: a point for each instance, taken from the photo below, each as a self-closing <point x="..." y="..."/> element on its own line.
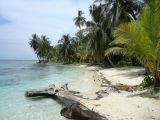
<point x="18" y="76"/>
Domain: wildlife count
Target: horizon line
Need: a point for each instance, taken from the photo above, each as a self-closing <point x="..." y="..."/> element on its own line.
<point x="18" y="59"/>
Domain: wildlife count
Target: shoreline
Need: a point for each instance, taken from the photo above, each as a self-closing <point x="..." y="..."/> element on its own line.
<point x="121" y="105"/>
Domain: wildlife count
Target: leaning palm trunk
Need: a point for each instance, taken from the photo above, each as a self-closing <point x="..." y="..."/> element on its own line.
<point x="110" y="61"/>
<point x="39" y="60"/>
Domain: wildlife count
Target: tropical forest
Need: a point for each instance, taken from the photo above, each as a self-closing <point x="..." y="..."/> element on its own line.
<point x="119" y="33"/>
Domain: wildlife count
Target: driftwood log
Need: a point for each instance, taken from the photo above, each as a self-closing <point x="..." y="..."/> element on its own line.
<point x="74" y="108"/>
<point x="123" y="87"/>
<point x="129" y="88"/>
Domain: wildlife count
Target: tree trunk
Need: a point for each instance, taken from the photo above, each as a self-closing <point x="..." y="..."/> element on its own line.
<point x="156" y="74"/>
<point x="110" y="61"/>
<point x="74" y="107"/>
<point x="38" y="59"/>
<point x="147" y="72"/>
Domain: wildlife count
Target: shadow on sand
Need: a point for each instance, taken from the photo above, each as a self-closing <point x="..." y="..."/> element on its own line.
<point x="149" y="93"/>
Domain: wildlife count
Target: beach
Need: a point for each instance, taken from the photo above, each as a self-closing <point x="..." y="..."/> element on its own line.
<point x="19" y="76"/>
<point x="122" y="105"/>
<point x="80" y="60"/>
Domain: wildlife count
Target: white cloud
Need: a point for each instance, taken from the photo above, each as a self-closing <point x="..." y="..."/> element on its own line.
<point x="50" y="17"/>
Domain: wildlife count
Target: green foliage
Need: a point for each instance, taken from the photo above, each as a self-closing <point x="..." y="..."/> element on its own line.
<point x="123" y="63"/>
<point x="120" y="11"/>
<point x="106" y="16"/>
<point x="96" y="35"/>
<point x="66" y="49"/>
<point x="147" y="81"/>
<point x="141" y="38"/>
<point x="90" y="43"/>
<point x="79" y="20"/>
<point x="41" y="46"/>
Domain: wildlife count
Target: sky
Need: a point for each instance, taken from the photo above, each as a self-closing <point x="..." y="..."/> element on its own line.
<point x="19" y="19"/>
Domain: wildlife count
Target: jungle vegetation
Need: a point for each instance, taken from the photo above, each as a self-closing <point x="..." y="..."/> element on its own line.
<point x="120" y="32"/>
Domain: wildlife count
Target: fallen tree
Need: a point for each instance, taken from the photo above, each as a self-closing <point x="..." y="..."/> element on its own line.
<point x="74" y="108"/>
<point x="123" y="87"/>
<point x="120" y="87"/>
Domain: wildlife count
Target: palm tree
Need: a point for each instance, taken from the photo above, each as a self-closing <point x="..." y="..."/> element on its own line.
<point x="120" y="11"/>
<point x="79" y="20"/>
<point x="44" y="47"/>
<point x="66" y="49"/>
<point x="141" y="39"/>
<point x="106" y="16"/>
<point x="41" y="46"/>
<point x="34" y="41"/>
<point x="97" y="38"/>
<point x="80" y="44"/>
<point x="52" y="54"/>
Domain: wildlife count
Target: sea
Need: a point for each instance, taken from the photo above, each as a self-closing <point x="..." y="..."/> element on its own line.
<point x="18" y="76"/>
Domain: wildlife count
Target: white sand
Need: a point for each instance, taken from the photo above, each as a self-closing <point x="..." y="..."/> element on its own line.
<point x="82" y="66"/>
<point x="125" y="75"/>
<point x="123" y="105"/>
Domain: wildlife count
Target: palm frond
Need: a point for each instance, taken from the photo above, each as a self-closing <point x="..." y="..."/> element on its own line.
<point x="114" y="51"/>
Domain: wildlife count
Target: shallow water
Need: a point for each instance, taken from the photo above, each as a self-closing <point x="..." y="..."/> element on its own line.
<point x="18" y="76"/>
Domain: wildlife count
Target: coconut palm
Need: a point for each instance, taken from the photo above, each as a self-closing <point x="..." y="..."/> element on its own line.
<point x="111" y="13"/>
<point x="81" y="46"/>
<point x="79" y="20"/>
<point x="34" y="43"/>
<point x="44" y="47"/>
<point x="120" y="11"/>
<point x="66" y="49"/>
<point x="41" y="46"/>
<point x="141" y="39"/>
<point x="52" y="54"/>
<point x="96" y="35"/>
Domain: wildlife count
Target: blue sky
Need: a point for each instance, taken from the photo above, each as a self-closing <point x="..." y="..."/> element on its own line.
<point x="19" y="19"/>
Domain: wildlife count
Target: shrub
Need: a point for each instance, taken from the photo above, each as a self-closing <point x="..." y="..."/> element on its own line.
<point x="147" y="81"/>
<point x="123" y="63"/>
